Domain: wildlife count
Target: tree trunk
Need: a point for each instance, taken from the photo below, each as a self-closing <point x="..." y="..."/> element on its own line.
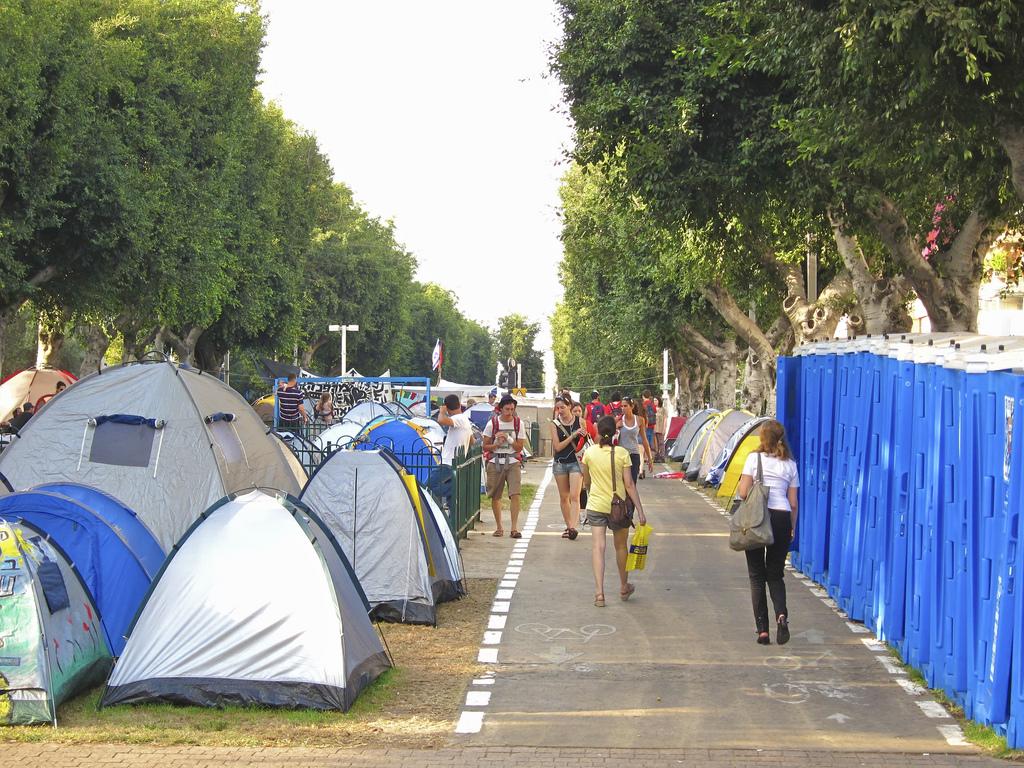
<point x="883" y="301"/>
<point x="306" y="361"/>
<point x="725" y="374"/>
<point x="50" y="339"/>
<point x="948" y="285"/>
<point x="96" y="343"/>
<point x="758" y="395"/>
<point x="1012" y="139"/>
<point x="817" y="320"/>
<point x="5" y="323"/>
<point x="723" y="302"/>
<point x="184" y="347"/>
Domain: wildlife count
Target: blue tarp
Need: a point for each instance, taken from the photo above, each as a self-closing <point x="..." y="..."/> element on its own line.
<point x="103" y="551"/>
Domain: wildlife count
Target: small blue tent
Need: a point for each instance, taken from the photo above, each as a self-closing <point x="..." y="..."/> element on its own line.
<point x="114" y="552"/>
<point x="406" y="441"/>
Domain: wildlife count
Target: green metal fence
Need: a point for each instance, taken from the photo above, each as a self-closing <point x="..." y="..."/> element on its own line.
<point x="464" y="505"/>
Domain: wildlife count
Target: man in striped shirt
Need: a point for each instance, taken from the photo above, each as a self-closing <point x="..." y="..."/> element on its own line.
<point x="290" y="408"/>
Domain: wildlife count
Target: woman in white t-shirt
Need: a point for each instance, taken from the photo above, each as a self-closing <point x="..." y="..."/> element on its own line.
<point x="766" y="566"/>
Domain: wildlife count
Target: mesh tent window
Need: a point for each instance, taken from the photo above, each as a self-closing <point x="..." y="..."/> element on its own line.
<point x="123" y="440"/>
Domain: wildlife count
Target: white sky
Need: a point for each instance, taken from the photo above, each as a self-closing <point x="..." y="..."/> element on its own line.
<point x="441" y="116"/>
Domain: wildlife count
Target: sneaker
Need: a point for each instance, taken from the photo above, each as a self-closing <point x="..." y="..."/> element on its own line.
<point x="782" y="632"/>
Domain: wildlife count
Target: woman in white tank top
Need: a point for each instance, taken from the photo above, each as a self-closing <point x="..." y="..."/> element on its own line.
<point x="766" y="566"/>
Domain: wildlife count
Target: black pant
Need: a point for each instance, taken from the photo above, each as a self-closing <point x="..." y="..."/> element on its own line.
<point x="767" y="566"/>
<point x="634" y="460"/>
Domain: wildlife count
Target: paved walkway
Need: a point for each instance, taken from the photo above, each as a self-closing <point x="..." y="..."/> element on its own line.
<point x="673" y="677"/>
<point x="676" y="667"/>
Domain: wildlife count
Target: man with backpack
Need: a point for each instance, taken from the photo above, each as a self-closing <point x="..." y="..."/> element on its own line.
<point x="651" y="414"/>
<point x="595" y="410"/>
<point x="503" y="440"/>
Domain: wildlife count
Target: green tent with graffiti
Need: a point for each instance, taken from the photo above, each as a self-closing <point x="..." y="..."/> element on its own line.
<point x="51" y="641"/>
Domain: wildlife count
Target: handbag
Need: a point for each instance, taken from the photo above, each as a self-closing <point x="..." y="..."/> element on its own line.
<point x="621" y="515"/>
<point x="750" y="526"/>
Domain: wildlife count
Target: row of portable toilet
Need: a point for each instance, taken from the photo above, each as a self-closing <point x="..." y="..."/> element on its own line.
<point x="713" y="445"/>
<point x="911" y="462"/>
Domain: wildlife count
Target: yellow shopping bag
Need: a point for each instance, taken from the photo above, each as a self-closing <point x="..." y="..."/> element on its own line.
<point x="637" y="557"/>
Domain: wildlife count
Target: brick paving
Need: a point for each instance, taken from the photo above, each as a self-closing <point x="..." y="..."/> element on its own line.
<point x="139" y="756"/>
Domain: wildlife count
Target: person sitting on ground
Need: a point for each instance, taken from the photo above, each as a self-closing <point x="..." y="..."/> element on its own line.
<point x="460" y="428"/>
<point x="598" y="464"/>
<point x="45" y="398"/>
<point x="767" y="565"/>
<point x="504" y="438"/>
<point x="19" y="421"/>
<point x="324" y="409"/>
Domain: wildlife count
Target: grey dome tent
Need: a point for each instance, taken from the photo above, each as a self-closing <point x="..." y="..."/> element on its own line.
<point x="257" y="605"/>
<point x="730" y="421"/>
<point x="166" y="441"/>
<point x="53" y="645"/>
<point x="689" y="432"/>
<point x="404" y="557"/>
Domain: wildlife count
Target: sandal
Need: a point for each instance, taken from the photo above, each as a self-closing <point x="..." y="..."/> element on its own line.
<point x="782" y="632"/>
<point x="498" y="533"/>
<point x="565" y="534"/>
<point x="573" y="533"/>
<point x="515" y="534"/>
<point x="624" y="596"/>
<point x="599" y="600"/>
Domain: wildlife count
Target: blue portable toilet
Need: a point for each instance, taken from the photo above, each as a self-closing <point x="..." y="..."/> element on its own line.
<point x="898" y="555"/>
<point x="818" y="374"/>
<point x="922" y="581"/>
<point x="116" y="559"/>
<point x="992" y="396"/>
<point x="1013" y="467"/>
<point x="878" y="491"/>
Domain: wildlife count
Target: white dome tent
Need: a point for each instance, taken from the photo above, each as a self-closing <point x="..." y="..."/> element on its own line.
<point x="256" y="606"/>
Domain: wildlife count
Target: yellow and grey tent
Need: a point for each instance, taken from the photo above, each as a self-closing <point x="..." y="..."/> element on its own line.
<point x="726" y="473"/>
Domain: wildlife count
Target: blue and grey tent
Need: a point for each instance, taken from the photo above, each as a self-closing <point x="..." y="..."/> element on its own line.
<point x="115" y="554"/>
<point x="256" y="605"/>
<point x="406" y="440"/>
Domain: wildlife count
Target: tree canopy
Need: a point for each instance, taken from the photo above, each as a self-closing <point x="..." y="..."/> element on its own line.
<point x="151" y="198"/>
<point x="720" y="147"/>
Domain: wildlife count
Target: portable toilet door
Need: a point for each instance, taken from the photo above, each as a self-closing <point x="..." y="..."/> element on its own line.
<point x="922" y="582"/>
<point x="995" y="398"/>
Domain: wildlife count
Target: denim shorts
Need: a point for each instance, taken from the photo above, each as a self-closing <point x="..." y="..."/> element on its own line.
<point x="558" y="468"/>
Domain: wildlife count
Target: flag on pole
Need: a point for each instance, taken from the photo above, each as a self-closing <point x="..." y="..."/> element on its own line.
<point x="438" y="357"/>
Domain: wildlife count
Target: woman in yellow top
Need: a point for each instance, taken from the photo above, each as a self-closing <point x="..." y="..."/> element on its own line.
<point x="598" y="464"/>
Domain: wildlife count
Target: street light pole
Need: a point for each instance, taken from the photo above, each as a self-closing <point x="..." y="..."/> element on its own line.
<point x="343" y="329"/>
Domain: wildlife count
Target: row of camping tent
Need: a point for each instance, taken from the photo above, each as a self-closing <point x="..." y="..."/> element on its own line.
<point x="111" y="493"/>
<point x="713" y="445"/>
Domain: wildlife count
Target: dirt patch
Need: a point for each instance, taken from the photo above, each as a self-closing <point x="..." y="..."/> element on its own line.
<point x="414" y="705"/>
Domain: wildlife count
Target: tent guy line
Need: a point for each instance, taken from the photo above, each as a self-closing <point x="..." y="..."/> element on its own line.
<point x="472" y="720"/>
